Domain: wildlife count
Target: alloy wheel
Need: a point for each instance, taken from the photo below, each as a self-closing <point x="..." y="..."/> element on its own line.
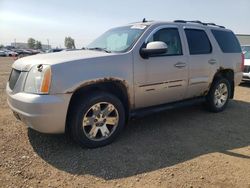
<point x="100" y="121"/>
<point x="220" y="95"/>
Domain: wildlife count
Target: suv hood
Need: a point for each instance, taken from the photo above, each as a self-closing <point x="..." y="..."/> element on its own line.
<point x="25" y="64"/>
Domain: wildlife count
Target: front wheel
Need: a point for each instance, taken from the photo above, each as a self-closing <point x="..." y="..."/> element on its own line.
<point x="97" y="120"/>
<point x="218" y="96"/>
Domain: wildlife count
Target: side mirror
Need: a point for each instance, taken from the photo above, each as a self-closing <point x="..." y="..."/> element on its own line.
<point x="154" y="48"/>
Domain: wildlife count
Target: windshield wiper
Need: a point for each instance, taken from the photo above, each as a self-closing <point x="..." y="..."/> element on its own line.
<point x="100" y="49"/>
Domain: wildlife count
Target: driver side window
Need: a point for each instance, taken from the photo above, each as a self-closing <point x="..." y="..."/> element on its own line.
<point x="171" y="37"/>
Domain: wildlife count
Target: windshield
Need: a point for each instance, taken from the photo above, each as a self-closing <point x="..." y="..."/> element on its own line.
<point x="118" y="39"/>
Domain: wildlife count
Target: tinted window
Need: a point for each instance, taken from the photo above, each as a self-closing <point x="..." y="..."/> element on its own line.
<point x="171" y="37"/>
<point x="227" y="41"/>
<point x="198" y="42"/>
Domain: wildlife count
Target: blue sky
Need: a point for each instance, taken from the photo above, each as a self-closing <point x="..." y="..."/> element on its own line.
<point x="85" y="20"/>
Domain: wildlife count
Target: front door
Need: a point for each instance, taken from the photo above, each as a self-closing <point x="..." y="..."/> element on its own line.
<point x="161" y="78"/>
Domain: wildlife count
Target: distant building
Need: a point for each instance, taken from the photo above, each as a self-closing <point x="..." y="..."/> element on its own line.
<point x="243" y="39"/>
<point x="25" y="45"/>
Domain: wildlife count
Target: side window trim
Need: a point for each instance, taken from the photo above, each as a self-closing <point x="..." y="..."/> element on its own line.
<point x="159" y="28"/>
<point x="199" y="29"/>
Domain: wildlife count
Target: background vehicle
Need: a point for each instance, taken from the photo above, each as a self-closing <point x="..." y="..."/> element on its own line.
<point x="23" y="51"/>
<point x="10" y="53"/>
<point x="246" y="71"/>
<point x="54" y="50"/>
<point x="127" y="71"/>
<point x="2" y="53"/>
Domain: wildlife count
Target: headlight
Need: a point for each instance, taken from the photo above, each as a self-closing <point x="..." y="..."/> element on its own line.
<point x="38" y="80"/>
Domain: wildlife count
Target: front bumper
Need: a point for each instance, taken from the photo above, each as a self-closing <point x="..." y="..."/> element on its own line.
<point x="44" y="113"/>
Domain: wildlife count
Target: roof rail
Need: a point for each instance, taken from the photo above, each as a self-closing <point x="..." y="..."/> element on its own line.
<point x="198" y="22"/>
<point x="213" y="24"/>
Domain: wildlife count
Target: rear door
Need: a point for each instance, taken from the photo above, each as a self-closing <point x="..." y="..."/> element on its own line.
<point x="201" y="61"/>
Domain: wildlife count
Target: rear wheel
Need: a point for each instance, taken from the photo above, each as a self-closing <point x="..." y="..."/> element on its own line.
<point x="218" y="96"/>
<point x="97" y="120"/>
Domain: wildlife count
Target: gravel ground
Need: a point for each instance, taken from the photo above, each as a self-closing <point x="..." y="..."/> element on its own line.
<point x="186" y="147"/>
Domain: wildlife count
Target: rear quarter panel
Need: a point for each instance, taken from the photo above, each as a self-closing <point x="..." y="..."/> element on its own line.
<point x="226" y="60"/>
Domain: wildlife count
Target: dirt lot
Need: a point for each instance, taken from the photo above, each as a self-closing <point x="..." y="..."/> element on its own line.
<point x="187" y="147"/>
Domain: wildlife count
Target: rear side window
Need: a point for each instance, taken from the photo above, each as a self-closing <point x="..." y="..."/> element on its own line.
<point x="227" y="41"/>
<point x="198" y="42"/>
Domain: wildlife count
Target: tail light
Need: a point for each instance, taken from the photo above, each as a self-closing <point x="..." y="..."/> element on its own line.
<point x="242" y="61"/>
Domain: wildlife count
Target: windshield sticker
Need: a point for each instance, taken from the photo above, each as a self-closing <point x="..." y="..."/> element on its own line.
<point x="138" y="26"/>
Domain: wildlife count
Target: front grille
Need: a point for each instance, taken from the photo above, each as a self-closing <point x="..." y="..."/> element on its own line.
<point x="246" y="69"/>
<point x="13" y="78"/>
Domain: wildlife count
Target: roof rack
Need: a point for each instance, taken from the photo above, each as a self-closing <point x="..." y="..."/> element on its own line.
<point x="144" y="20"/>
<point x="198" y="22"/>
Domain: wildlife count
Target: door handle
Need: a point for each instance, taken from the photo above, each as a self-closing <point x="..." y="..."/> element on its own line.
<point x="212" y="61"/>
<point x="180" y="65"/>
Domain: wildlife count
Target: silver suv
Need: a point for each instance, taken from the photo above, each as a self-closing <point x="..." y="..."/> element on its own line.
<point x="127" y="71"/>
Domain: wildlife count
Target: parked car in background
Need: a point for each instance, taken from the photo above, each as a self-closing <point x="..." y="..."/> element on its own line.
<point x="2" y="53"/>
<point x="10" y="53"/>
<point x="75" y="49"/>
<point x="33" y="51"/>
<point x="246" y="71"/>
<point x="22" y="52"/>
<point x="127" y="71"/>
<point x="54" y="50"/>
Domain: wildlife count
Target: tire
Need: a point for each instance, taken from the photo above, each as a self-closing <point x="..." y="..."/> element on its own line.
<point x="219" y="91"/>
<point x="89" y="120"/>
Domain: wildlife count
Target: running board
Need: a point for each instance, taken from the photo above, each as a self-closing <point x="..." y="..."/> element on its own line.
<point x="156" y="109"/>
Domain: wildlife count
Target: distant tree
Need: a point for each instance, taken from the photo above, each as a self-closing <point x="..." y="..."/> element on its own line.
<point x="69" y="43"/>
<point x="31" y="43"/>
<point x="38" y="45"/>
<point x="1" y="46"/>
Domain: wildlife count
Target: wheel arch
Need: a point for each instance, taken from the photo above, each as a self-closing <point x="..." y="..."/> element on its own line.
<point x="117" y="87"/>
<point x="229" y="75"/>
